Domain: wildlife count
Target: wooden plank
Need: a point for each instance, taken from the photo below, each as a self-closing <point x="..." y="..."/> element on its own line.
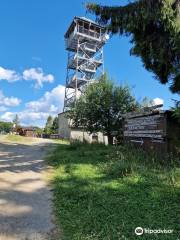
<point x="149" y="112"/>
<point x="144" y="131"/>
<point x="141" y="127"/>
<point x="144" y="120"/>
<point x="157" y="141"/>
<point x="143" y="135"/>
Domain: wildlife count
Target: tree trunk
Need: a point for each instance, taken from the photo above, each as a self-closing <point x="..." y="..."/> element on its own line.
<point x="110" y="139"/>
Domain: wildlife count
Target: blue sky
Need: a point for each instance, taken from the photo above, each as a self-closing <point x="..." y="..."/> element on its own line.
<point x="33" y="59"/>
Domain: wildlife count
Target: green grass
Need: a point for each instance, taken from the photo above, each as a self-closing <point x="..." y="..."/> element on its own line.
<point x="61" y="141"/>
<point x="20" y="139"/>
<point x="105" y="192"/>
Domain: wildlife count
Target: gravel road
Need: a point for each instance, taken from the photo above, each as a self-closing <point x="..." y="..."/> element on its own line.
<point x="25" y="199"/>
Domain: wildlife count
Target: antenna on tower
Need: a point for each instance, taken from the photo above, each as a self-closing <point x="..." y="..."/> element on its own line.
<point x="84" y="43"/>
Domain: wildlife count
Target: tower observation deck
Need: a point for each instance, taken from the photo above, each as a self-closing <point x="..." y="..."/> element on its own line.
<point x="84" y="42"/>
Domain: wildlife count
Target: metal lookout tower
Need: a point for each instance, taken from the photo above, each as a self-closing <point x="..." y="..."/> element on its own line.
<point x="84" y="43"/>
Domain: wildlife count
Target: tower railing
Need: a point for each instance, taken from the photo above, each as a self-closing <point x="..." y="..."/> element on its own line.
<point x="85" y="57"/>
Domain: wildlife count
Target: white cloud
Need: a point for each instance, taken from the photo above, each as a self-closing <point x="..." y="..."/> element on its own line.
<point x="31" y="74"/>
<point x="51" y="102"/>
<point x="157" y="101"/>
<point x="36" y="112"/>
<point x="3" y="108"/>
<point x="7" y="116"/>
<point x="27" y="118"/>
<point x="33" y="118"/>
<point x="8" y="101"/>
<point x="9" y="75"/>
<point x="37" y="75"/>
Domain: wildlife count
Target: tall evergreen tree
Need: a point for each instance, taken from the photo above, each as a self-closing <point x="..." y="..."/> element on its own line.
<point x="48" y="126"/>
<point x="55" y="125"/>
<point x="154" y="28"/>
<point x="16" y="122"/>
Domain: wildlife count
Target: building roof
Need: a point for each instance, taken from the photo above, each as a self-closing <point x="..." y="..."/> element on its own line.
<point x="88" y="20"/>
<point x="28" y="128"/>
<point x="61" y="113"/>
<point x="83" y="19"/>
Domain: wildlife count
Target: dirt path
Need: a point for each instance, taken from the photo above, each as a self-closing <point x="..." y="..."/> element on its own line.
<point x="25" y="200"/>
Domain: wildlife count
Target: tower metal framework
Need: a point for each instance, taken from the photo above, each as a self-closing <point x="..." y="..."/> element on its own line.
<point x="84" y="42"/>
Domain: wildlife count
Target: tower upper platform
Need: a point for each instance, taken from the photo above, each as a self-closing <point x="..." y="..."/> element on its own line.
<point x="82" y="29"/>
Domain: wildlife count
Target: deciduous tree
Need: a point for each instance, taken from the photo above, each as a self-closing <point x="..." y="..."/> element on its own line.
<point x="101" y="107"/>
<point x="6" y="127"/>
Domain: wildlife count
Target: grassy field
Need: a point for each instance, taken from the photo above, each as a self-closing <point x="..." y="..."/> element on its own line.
<point x="105" y="192"/>
<point x="17" y="138"/>
<point x="29" y="140"/>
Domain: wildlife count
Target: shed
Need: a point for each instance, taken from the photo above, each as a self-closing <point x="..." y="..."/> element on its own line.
<point x="27" y="131"/>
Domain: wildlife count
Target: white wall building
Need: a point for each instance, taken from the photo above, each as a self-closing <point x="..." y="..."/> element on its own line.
<point x="67" y="131"/>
